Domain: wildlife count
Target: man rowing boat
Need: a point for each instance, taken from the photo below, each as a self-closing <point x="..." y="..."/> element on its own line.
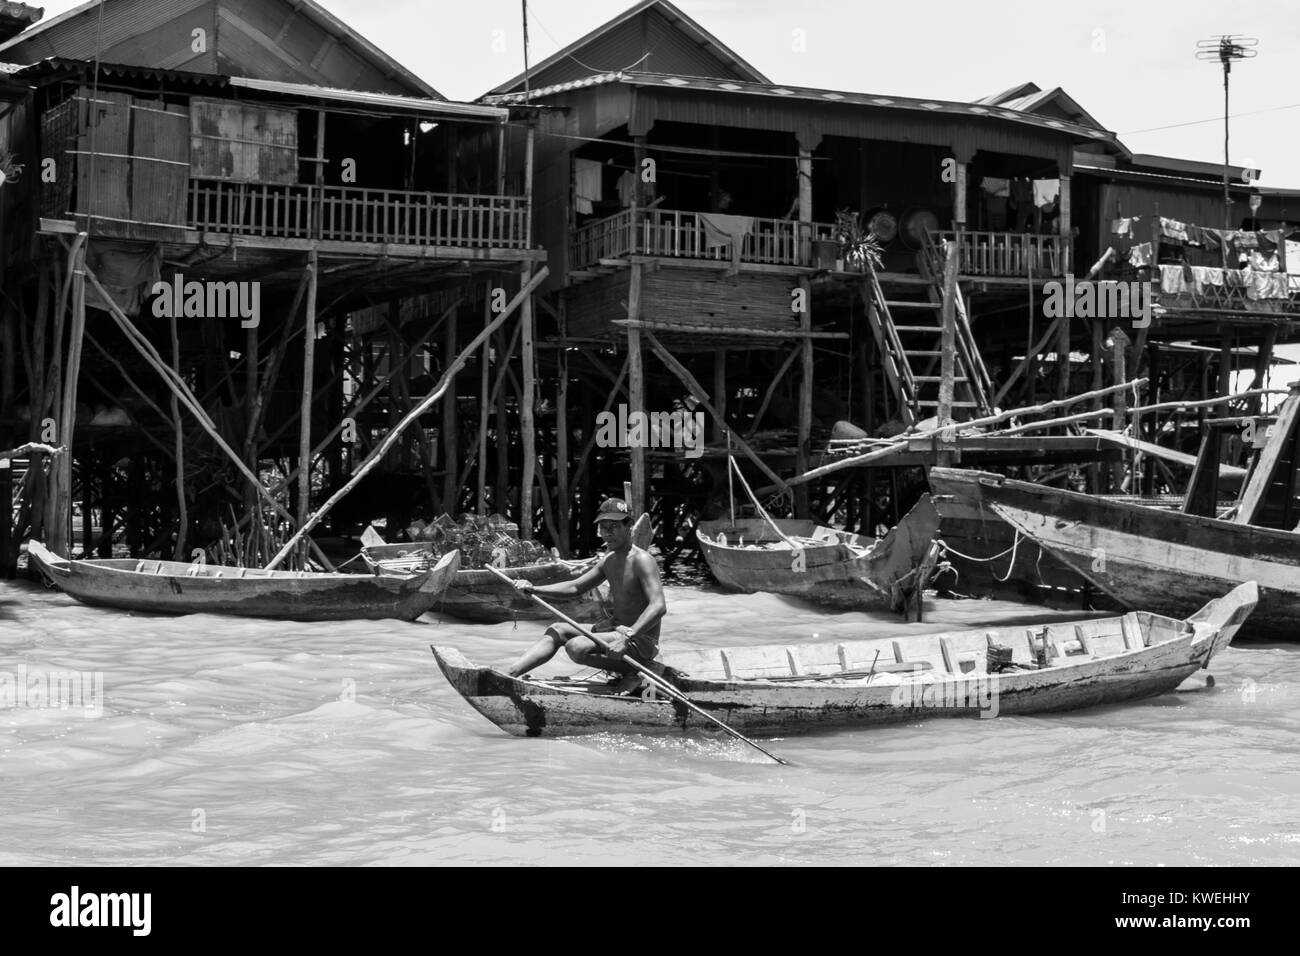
<point x="638" y="597"/>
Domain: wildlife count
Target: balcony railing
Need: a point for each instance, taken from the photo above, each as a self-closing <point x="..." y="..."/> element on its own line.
<point x="675" y="233"/>
<point x="1009" y="254"/>
<point x="353" y="214"/>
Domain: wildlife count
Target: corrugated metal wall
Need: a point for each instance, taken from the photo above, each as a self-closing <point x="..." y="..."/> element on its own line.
<point x="243" y="143"/>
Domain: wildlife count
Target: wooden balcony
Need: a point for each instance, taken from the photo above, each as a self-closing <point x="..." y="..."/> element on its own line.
<point x="1010" y="255"/>
<point x="353" y="214"/>
<point x="679" y="234"/>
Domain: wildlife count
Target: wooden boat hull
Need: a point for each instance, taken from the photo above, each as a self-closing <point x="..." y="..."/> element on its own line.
<point x="786" y="690"/>
<point x="173" y="587"/>
<point x="1002" y="570"/>
<point x="1143" y="557"/>
<point x="835" y="571"/>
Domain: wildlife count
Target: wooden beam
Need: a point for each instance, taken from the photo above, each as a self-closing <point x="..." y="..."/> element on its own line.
<point x="182" y="510"/>
<point x="1261" y="477"/>
<point x="60" y="526"/>
<point x="450" y="432"/>
<point x="795" y="353"/>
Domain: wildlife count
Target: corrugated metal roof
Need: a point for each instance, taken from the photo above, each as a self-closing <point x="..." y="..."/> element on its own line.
<point x="773" y="91"/>
<point x="381" y="100"/>
<point x="679" y="21"/>
<point x="58" y="65"/>
<point x="309" y="8"/>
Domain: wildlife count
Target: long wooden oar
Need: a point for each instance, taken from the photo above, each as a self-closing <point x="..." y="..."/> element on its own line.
<point x="654" y="678"/>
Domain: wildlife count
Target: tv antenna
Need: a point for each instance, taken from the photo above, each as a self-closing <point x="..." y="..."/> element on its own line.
<point x="1225" y="49"/>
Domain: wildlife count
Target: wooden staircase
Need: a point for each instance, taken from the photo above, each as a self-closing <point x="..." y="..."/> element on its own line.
<point x="911" y="350"/>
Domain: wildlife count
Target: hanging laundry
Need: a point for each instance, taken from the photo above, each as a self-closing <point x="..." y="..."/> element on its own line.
<point x="1172" y="279"/>
<point x="1173" y="229"/>
<point x="1204" y="277"/>
<point x="1195" y="236"/>
<point x="1124" y="227"/>
<point x="1266" y="285"/>
<point x="1140" y="255"/>
<point x="1266" y="244"/>
<point x="626" y="187"/>
<point x="1264" y="261"/>
<point x="1216" y="240"/>
<point x="1245" y="240"/>
<point x="586" y="185"/>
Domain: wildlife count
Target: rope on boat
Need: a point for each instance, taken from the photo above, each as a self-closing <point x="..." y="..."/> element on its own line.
<point x="1015" y="545"/>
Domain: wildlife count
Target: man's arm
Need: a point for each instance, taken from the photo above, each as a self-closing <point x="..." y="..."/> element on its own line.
<point x="647" y="574"/>
<point x="579" y="585"/>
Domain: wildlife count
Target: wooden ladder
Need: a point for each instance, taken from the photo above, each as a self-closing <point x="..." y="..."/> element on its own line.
<point x="912" y="355"/>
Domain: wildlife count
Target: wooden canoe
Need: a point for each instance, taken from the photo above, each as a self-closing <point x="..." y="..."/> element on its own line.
<point x="1144" y="557"/>
<point x="830" y="567"/>
<point x="480" y="596"/>
<point x="174" y="587"/>
<point x="779" y="689"/>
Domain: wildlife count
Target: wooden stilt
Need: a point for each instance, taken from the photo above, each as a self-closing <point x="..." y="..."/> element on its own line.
<point x="484" y="370"/>
<point x="182" y="510"/>
<point x="562" y="500"/>
<point x="636" y="382"/>
<point x="527" y="401"/>
<point x="501" y="480"/>
<point x="308" y="374"/>
<point x="59" y="541"/>
<point x="450" y="428"/>
<point x="720" y="392"/>
<point x="805" y="399"/>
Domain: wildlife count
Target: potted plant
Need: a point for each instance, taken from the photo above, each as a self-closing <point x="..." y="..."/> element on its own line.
<point x="858" y="246"/>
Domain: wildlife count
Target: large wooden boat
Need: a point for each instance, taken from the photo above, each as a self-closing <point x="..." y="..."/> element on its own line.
<point x="173" y="587"/>
<point x="819" y="563"/>
<point x="1143" y="557"/>
<point x="480" y="596"/>
<point x="780" y="689"/>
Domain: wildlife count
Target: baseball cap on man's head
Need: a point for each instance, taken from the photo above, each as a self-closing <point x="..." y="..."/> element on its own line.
<point x="613" y="509"/>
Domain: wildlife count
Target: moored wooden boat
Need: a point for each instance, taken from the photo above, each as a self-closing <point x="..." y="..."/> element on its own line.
<point x="478" y="595"/>
<point x="779" y="689"/>
<point x="819" y="563"/>
<point x="174" y="587"/>
<point x="1143" y="557"/>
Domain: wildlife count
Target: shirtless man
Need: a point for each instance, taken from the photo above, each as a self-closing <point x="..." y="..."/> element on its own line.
<point x="638" y="597"/>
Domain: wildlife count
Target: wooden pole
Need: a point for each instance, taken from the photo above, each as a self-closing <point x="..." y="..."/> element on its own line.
<point x="801" y="504"/>
<point x="720" y="390"/>
<point x="948" y="340"/>
<point x="636" y="381"/>
<point x="413" y="415"/>
<point x="450" y="431"/>
<point x="796" y="352"/>
<point x="182" y="510"/>
<point x="308" y="374"/>
<point x="527" y="401"/>
<point x="1118" y="401"/>
<point x="59" y="542"/>
<point x="484" y="370"/>
<point x="562" y="438"/>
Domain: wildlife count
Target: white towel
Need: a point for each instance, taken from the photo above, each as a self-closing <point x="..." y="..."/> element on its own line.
<point x="1172" y="280"/>
<point x="586" y="185"/>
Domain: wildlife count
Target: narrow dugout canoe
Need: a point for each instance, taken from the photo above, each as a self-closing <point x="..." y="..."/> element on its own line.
<point x="828" y="566"/>
<point x="800" y="688"/>
<point x="174" y="587"/>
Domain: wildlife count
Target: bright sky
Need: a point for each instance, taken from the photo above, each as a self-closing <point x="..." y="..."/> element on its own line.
<point x="1130" y="64"/>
